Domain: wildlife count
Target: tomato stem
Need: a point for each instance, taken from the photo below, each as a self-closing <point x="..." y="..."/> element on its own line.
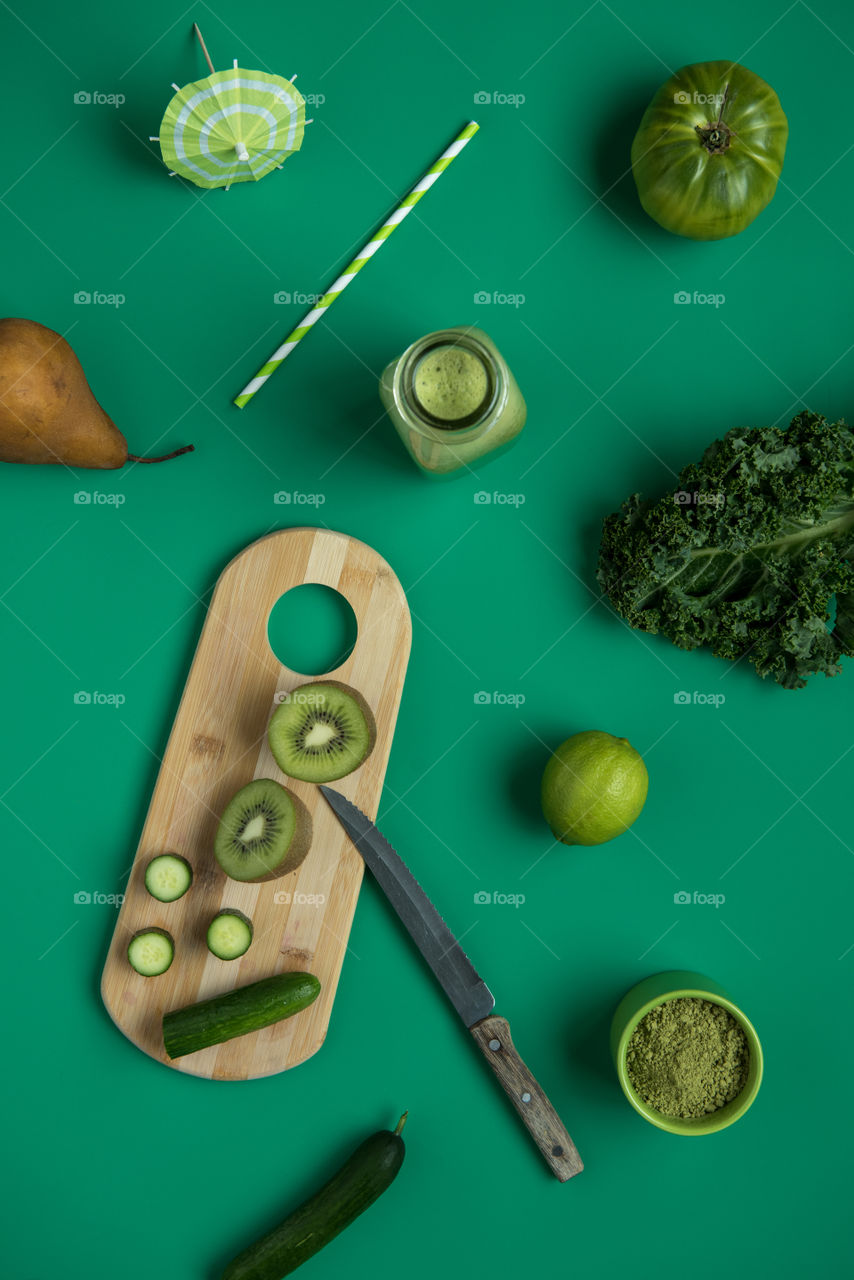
<point x="715" y="137"/>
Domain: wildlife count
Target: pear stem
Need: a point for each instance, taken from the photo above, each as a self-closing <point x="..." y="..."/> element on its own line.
<point x="176" y="453"/>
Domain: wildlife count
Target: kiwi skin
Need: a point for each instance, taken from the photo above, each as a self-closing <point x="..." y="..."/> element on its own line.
<point x="363" y="707"/>
<point x="299" y="846"/>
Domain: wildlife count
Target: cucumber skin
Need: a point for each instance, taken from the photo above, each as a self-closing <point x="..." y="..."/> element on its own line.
<point x="371" y="1169"/>
<point x="237" y="1012"/>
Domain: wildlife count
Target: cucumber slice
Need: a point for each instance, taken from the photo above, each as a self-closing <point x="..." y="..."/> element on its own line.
<point x="151" y="952"/>
<point x="168" y="877"/>
<point x="237" y="1012"/>
<point x="229" y="935"/>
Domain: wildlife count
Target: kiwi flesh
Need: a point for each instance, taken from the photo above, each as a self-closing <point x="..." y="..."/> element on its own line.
<point x="264" y="832"/>
<point x="321" y="732"/>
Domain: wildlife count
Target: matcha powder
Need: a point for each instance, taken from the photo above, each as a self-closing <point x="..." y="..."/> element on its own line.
<point x="687" y="1058"/>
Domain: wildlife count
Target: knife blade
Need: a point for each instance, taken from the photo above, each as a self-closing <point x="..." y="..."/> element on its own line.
<point x="462" y="984"/>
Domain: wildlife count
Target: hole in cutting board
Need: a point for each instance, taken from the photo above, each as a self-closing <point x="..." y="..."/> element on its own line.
<point x="312" y="629"/>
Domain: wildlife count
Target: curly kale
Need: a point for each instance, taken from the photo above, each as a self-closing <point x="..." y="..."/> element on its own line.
<point x="747" y="554"/>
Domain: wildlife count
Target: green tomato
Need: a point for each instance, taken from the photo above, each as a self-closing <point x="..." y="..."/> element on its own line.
<point x="709" y="150"/>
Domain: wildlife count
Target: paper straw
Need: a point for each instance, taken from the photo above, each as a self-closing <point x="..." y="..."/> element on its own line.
<point x="311" y="317"/>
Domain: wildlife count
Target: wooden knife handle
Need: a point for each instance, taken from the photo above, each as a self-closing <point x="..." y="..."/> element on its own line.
<point x="539" y="1116"/>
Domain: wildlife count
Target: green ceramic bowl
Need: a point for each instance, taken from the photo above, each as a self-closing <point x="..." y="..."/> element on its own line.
<point x="654" y="991"/>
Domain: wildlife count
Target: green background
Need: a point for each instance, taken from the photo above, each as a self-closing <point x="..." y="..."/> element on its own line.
<point x="115" y="1165"/>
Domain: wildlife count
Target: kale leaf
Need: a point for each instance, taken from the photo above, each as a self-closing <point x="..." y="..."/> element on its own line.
<point x="747" y="554"/>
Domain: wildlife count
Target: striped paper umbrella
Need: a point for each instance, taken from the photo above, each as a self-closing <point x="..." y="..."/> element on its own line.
<point x="233" y="126"/>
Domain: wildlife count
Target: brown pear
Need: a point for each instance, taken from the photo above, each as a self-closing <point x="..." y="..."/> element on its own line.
<point x="47" y="410"/>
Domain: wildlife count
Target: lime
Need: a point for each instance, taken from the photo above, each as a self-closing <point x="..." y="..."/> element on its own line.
<point x="594" y="787"/>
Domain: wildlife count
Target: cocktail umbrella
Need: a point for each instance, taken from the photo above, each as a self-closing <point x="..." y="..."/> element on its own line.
<point x="233" y="126"/>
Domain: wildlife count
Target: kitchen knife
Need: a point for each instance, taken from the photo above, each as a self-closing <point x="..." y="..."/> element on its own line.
<point x="464" y="987"/>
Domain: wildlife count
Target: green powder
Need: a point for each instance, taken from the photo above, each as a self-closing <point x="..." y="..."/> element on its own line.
<point x="451" y="383"/>
<point x="687" y="1058"/>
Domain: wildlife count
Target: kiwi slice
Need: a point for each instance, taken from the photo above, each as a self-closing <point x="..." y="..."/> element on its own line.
<point x="322" y="731"/>
<point x="264" y="832"/>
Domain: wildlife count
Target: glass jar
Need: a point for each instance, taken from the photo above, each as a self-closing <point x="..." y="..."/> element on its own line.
<point x="452" y="399"/>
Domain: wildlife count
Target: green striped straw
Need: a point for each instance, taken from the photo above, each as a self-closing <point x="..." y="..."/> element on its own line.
<point x="311" y="317"/>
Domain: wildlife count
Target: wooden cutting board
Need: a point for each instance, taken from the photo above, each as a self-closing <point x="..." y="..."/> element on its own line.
<point x="219" y="743"/>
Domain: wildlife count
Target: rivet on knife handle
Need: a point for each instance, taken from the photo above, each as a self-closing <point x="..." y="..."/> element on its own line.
<point x="539" y="1116"/>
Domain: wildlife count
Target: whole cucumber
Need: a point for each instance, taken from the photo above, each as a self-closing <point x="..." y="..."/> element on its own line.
<point x="371" y="1169"/>
<point x="237" y="1012"/>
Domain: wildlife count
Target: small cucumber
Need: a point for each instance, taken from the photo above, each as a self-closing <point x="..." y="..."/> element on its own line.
<point x="371" y="1169"/>
<point x="229" y="935"/>
<point x="168" y="877"/>
<point x="237" y="1012"/>
<point x="151" y="952"/>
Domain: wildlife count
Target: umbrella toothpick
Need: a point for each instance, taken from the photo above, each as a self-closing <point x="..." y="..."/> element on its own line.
<point x="204" y="47"/>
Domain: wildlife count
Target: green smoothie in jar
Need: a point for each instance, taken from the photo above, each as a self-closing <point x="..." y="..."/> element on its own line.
<point x="452" y="399"/>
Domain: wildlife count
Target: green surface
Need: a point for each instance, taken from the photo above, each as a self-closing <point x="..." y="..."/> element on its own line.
<point x="312" y="629"/>
<point x="749" y="798"/>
